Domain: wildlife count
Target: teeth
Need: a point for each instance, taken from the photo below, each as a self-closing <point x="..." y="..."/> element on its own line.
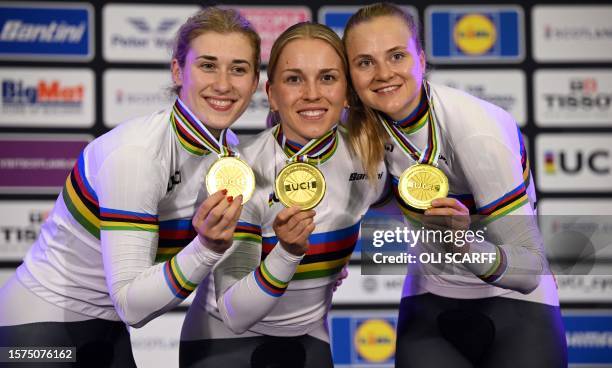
<point x="219" y="103"/>
<point x="312" y="113"/>
<point x="387" y="89"/>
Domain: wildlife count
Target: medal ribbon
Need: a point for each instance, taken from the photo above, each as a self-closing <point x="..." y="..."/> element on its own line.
<point x="431" y="153"/>
<point x="316" y="151"/>
<point x="194" y="135"/>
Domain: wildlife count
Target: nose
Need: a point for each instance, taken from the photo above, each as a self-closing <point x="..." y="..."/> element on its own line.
<point x="222" y="83"/>
<point x="383" y="72"/>
<point x="311" y="91"/>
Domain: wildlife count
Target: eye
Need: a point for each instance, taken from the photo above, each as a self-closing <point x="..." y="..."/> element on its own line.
<point x="293" y="79"/>
<point x="329" y="77"/>
<point x="207" y="66"/>
<point x="397" y="56"/>
<point x="239" y="70"/>
<point x="364" y="63"/>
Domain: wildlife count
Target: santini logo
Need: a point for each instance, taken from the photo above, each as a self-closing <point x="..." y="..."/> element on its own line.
<point x="16" y="30"/>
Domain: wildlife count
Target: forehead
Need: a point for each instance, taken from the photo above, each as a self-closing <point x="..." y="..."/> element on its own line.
<point x="233" y="45"/>
<point x="379" y="34"/>
<point x="306" y="53"/>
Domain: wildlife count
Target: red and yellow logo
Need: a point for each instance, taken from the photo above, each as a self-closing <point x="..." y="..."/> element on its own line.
<point x="474" y="34"/>
<point x="375" y="341"/>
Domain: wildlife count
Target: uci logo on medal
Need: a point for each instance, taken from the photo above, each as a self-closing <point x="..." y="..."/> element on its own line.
<point x="375" y="341"/>
<point x="474" y="34"/>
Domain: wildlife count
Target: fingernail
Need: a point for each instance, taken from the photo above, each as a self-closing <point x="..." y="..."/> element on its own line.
<point x="230" y="199"/>
<point x="224" y="191"/>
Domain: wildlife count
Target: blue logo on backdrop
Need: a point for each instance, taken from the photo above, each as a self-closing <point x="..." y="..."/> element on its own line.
<point x="58" y="32"/>
<point x="589" y="339"/>
<point x="475" y="34"/>
<point x="336" y="17"/>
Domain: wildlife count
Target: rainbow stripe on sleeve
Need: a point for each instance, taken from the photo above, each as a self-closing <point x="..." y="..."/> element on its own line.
<point x="112" y="219"/>
<point x="180" y="286"/>
<point x="247" y="232"/>
<point x="174" y="235"/>
<point x="81" y="200"/>
<point x="506" y="204"/>
<point x="268" y="283"/>
<point x="327" y="254"/>
<point x="498" y="269"/>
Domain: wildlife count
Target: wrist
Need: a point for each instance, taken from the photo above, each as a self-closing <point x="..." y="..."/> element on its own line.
<point x="212" y="246"/>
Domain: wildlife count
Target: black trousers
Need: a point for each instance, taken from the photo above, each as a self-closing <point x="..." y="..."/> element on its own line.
<point x="256" y="352"/>
<point x="99" y="343"/>
<point x="434" y="331"/>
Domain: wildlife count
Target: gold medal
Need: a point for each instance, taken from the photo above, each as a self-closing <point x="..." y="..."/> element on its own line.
<point x="233" y="174"/>
<point x="300" y="184"/>
<point x="420" y="184"/>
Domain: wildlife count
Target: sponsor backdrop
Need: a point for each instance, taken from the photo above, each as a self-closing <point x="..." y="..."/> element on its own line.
<point x="70" y="71"/>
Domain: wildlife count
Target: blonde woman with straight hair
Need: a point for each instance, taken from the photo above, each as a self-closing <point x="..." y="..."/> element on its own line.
<point x="134" y="230"/>
<point x="273" y="288"/>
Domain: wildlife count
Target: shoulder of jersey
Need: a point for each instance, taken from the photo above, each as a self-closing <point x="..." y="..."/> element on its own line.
<point x="255" y="148"/>
<point x="470" y="114"/>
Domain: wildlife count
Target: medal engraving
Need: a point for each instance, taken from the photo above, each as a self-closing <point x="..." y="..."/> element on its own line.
<point x="420" y="184"/>
<point x="300" y="184"/>
<point x="233" y="174"/>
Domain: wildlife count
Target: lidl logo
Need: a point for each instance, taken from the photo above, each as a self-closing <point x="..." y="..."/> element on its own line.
<point x="375" y="341"/>
<point x="474" y="34"/>
<point x="46" y="31"/>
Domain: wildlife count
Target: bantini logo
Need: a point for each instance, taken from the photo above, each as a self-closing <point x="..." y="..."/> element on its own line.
<point x="474" y="34"/>
<point x="573" y="163"/>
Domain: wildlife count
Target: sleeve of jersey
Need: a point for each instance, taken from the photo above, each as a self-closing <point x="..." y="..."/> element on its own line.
<point x="248" y="288"/>
<point x="498" y="177"/>
<point x="129" y="186"/>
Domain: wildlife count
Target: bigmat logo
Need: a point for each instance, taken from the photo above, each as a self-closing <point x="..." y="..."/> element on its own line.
<point x="38" y="164"/>
<point x="20" y="223"/>
<point x="504" y="88"/>
<point x="574" y="162"/>
<point x="474" y="34"/>
<point x="571" y="97"/>
<point x="572" y="33"/>
<point x="336" y="17"/>
<point x="133" y="93"/>
<point x="46" y="31"/>
<point x="271" y="21"/>
<point x="47" y="97"/>
<point x="142" y="33"/>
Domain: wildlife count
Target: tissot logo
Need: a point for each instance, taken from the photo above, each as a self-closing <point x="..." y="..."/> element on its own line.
<point x="574" y="162"/>
<point x="570" y="97"/>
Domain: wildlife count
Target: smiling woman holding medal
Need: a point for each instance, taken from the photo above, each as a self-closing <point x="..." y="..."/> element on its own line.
<point x="135" y="230"/>
<point x="274" y="286"/>
<point x="449" y="155"/>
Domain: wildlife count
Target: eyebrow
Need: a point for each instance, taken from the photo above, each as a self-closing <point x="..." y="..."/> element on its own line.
<point x="396" y="48"/>
<point x="214" y="58"/>
<point x="300" y="70"/>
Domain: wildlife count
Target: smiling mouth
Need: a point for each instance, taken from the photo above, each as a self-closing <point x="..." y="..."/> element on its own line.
<point x="220" y="104"/>
<point x="386" y="90"/>
<point x="312" y="114"/>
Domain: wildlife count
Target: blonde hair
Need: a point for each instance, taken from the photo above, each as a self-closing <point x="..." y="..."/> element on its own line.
<point x="366" y="134"/>
<point x="304" y="30"/>
<point x="213" y="19"/>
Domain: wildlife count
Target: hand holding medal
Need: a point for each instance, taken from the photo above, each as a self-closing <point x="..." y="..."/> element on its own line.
<point x="423" y="182"/>
<point x="229" y="172"/>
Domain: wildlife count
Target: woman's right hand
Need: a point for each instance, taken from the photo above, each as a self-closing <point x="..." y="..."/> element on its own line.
<point x="216" y="219"/>
<point x="292" y="227"/>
